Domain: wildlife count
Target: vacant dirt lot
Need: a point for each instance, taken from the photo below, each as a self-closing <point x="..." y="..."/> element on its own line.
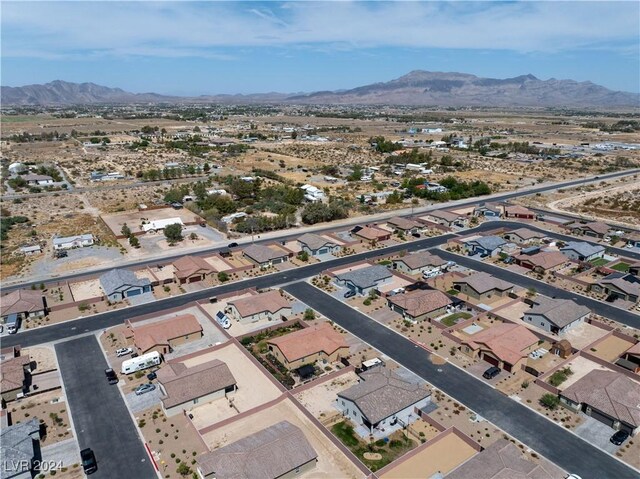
<point x="319" y="400"/>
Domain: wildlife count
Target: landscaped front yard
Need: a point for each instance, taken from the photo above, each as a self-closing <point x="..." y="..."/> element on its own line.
<point x="452" y="319"/>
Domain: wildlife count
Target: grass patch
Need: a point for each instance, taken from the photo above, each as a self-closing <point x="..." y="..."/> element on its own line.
<point x="598" y="262"/>
<point x="453" y="318"/>
<point x="622" y="267"/>
<point x="345" y="433"/>
<point x="560" y="376"/>
<point x="453" y="292"/>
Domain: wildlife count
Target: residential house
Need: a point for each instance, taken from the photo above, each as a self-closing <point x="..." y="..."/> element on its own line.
<point x="40" y="180"/>
<point x="404" y="225"/>
<point x="265" y="256"/>
<point x="363" y="280"/>
<point x="16" y="373"/>
<point x="31" y="250"/>
<point x="482" y="286"/>
<point x="382" y="402"/>
<point x="191" y="269"/>
<point x="185" y="387"/>
<point x="485" y="245"/>
<point x="447" y="218"/>
<point x="371" y="234"/>
<point x="608" y="396"/>
<point x="312" y="193"/>
<point x="309" y="345"/>
<point x="595" y="229"/>
<point x="163" y="336"/>
<point x="119" y="284"/>
<point x="541" y="262"/>
<point x="630" y="359"/>
<point x="503" y="459"/>
<point x="270" y="305"/>
<point x="504" y="345"/>
<point x="71" y="242"/>
<point x="316" y="245"/>
<point x="619" y="285"/>
<point x="159" y="225"/>
<point x="524" y="236"/>
<point x="417" y="263"/>
<point x="632" y="239"/>
<point x="279" y="451"/>
<point x="488" y="210"/>
<point x="517" y="211"/>
<point x="556" y="315"/>
<point x="20" y="449"/>
<point x="634" y="269"/>
<point x="25" y="303"/>
<point x="582" y="251"/>
<point x="420" y="304"/>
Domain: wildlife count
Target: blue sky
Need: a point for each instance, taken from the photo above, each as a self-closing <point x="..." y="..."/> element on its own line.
<point x="192" y="48"/>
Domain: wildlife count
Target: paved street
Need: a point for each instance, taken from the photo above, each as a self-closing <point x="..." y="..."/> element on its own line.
<point x="100" y="417"/>
<point x="555" y="443"/>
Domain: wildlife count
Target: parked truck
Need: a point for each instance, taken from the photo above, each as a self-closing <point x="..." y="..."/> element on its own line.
<point x="13" y="323"/>
<point x="141" y="362"/>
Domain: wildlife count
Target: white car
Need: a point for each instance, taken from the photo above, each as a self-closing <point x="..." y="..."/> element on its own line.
<point x="123" y="351"/>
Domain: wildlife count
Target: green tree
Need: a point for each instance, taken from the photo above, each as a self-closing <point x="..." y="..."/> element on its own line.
<point x="173" y="232"/>
<point x="550" y="401"/>
<point x="309" y="314"/>
<point x="223" y="277"/>
<point x="303" y="256"/>
<point x="134" y="241"/>
<point x="126" y="231"/>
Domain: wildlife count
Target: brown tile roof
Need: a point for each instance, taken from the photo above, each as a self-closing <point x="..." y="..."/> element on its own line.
<point x="445" y="215"/>
<point x="502" y="460"/>
<point x="420" y="301"/>
<point x="183" y="384"/>
<point x="483" y="282"/>
<point x="12" y="372"/>
<point x="189" y="265"/>
<point x="596" y="226"/>
<point x="314" y="241"/>
<point x="403" y="223"/>
<point x="505" y="340"/>
<point x="544" y="259"/>
<point x="262" y="253"/>
<point x="634" y="350"/>
<point x="517" y="210"/>
<point x="271" y="301"/>
<point x="372" y="233"/>
<point x="308" y="341"/>
<point x="422" y="259"/>
<point x="149" y="335"/>
<point x="526" y="233"/>
<point x="267" y="454"/>
<point x="21" y="301"/>
<point x="610" y="392"/>
<point x="628" y="287"/>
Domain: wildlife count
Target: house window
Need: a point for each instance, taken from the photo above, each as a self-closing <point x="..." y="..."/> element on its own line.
<point x="195" y="401"/>
<point x="542" y="324"/>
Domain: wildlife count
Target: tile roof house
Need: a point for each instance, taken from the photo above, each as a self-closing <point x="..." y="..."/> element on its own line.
<point x="524" y="236"/>
<point x="504" y="345"/>
<point x="119" y="284"/>
<point x="416" y="263"/>
<point x="582" y="251"/>
<point x="634" y="269"/>
<point x="189" y="269"/>
<point x="489" y="210"/>
<point x="485" y="245"/>
<point x="619" y="285"/>
<point x="183" y="387"/>
<point x="163" y="336"/>
<point x="15" y="370"/>
<point x="556" y="315"/>
<point x="541" y="262"/>
<point x="279" y="451"/>
<point x="363" y="280"/>
<point x="630" y="359"/>
<point x="265" y="256"/>
<point x="70" y="242"/>
<point x="270" y="305"/>
<point x="383" y="401"/>
<point x="517" y="211"/>
<point x="420" y="304"/>
<point x="316" y="245"/>
<point x="501" y="460"/>
<point x="25" y="303"/>
<point x="308" y="345"/>
<point x="447" y="218"/>
<point x="596" y="229"/>
<point x="371" y="234"/>
<point x="404" y="225"/>
<point x="482" y="286"/>
<point x="20" y="448"/>
<point x="608" y="396"/>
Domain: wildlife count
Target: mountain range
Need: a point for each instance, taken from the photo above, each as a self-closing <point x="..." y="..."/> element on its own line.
<point x="417" y="88"/>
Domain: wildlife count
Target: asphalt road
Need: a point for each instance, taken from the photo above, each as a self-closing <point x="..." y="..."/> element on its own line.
<point x="100" y="417"/>
<point x="572" y="217"/>
<point x="293" y="235"/>
<point x="552" y="441"/>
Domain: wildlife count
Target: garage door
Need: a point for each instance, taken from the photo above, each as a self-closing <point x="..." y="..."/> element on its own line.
<point x="193" y="279"/>
<point x="134" y="292"/>
<point x="601" y="417"/>
<point x="397" y="309"/>
<point x="490" y="359"/>
<point x="323" y="251"/>
<point x="277" y="261"/>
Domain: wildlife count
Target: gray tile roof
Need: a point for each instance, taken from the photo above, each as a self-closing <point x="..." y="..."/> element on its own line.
<point x="314" y="241"/>
<point x="526" y="233"/>
<point x="560" y="312"/>
<point x="382" y="393"/>
<point x="262" y="254"/>
<point x="366" y="277"/>
<point x="583" y="248"/>
<point x="267" y="454"/>
<point x="16" y="445"/>
<point x="488" y="243"/>
<point x="483" y="282"/>
<point x="626" y="283"/>
<point x="421" y="259"/>
<point x="118" y="280"/>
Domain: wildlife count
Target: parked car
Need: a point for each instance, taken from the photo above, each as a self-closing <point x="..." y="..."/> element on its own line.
<point x="491" y="373"/>
<point x="508" y="260"/>
<point x="349" y="294"/>
<point x="134" y="355"/>
<point x="203" y="224"/>
<point x="232" y="245"/>
<point x="123" y="351"/>
<point x="415" y="235"/>
<point x="145" y="388"/>
<point x="151" y="376"/>
<point x="89" y="463"/>
<point x="112" y="377"/>
<point x="619" y="437"/>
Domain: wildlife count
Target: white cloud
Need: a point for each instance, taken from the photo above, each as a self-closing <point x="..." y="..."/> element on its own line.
<point x="208" y="30"/>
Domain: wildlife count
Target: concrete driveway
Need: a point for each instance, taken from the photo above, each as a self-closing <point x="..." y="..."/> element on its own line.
<point x="137" y="403"/>
<point x="597" y="434"/>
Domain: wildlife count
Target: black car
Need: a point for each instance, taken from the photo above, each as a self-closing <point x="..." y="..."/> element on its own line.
<point x="349" y="294"/>
<point x="232" y="245"/>
<point x="491" y="373"/>
<point x="619" y="437"/>
<point x="89" y="463"/>
<point x="151" y="376"/>
<point x="112" y="377"/>
<point x="415" y="235"/>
